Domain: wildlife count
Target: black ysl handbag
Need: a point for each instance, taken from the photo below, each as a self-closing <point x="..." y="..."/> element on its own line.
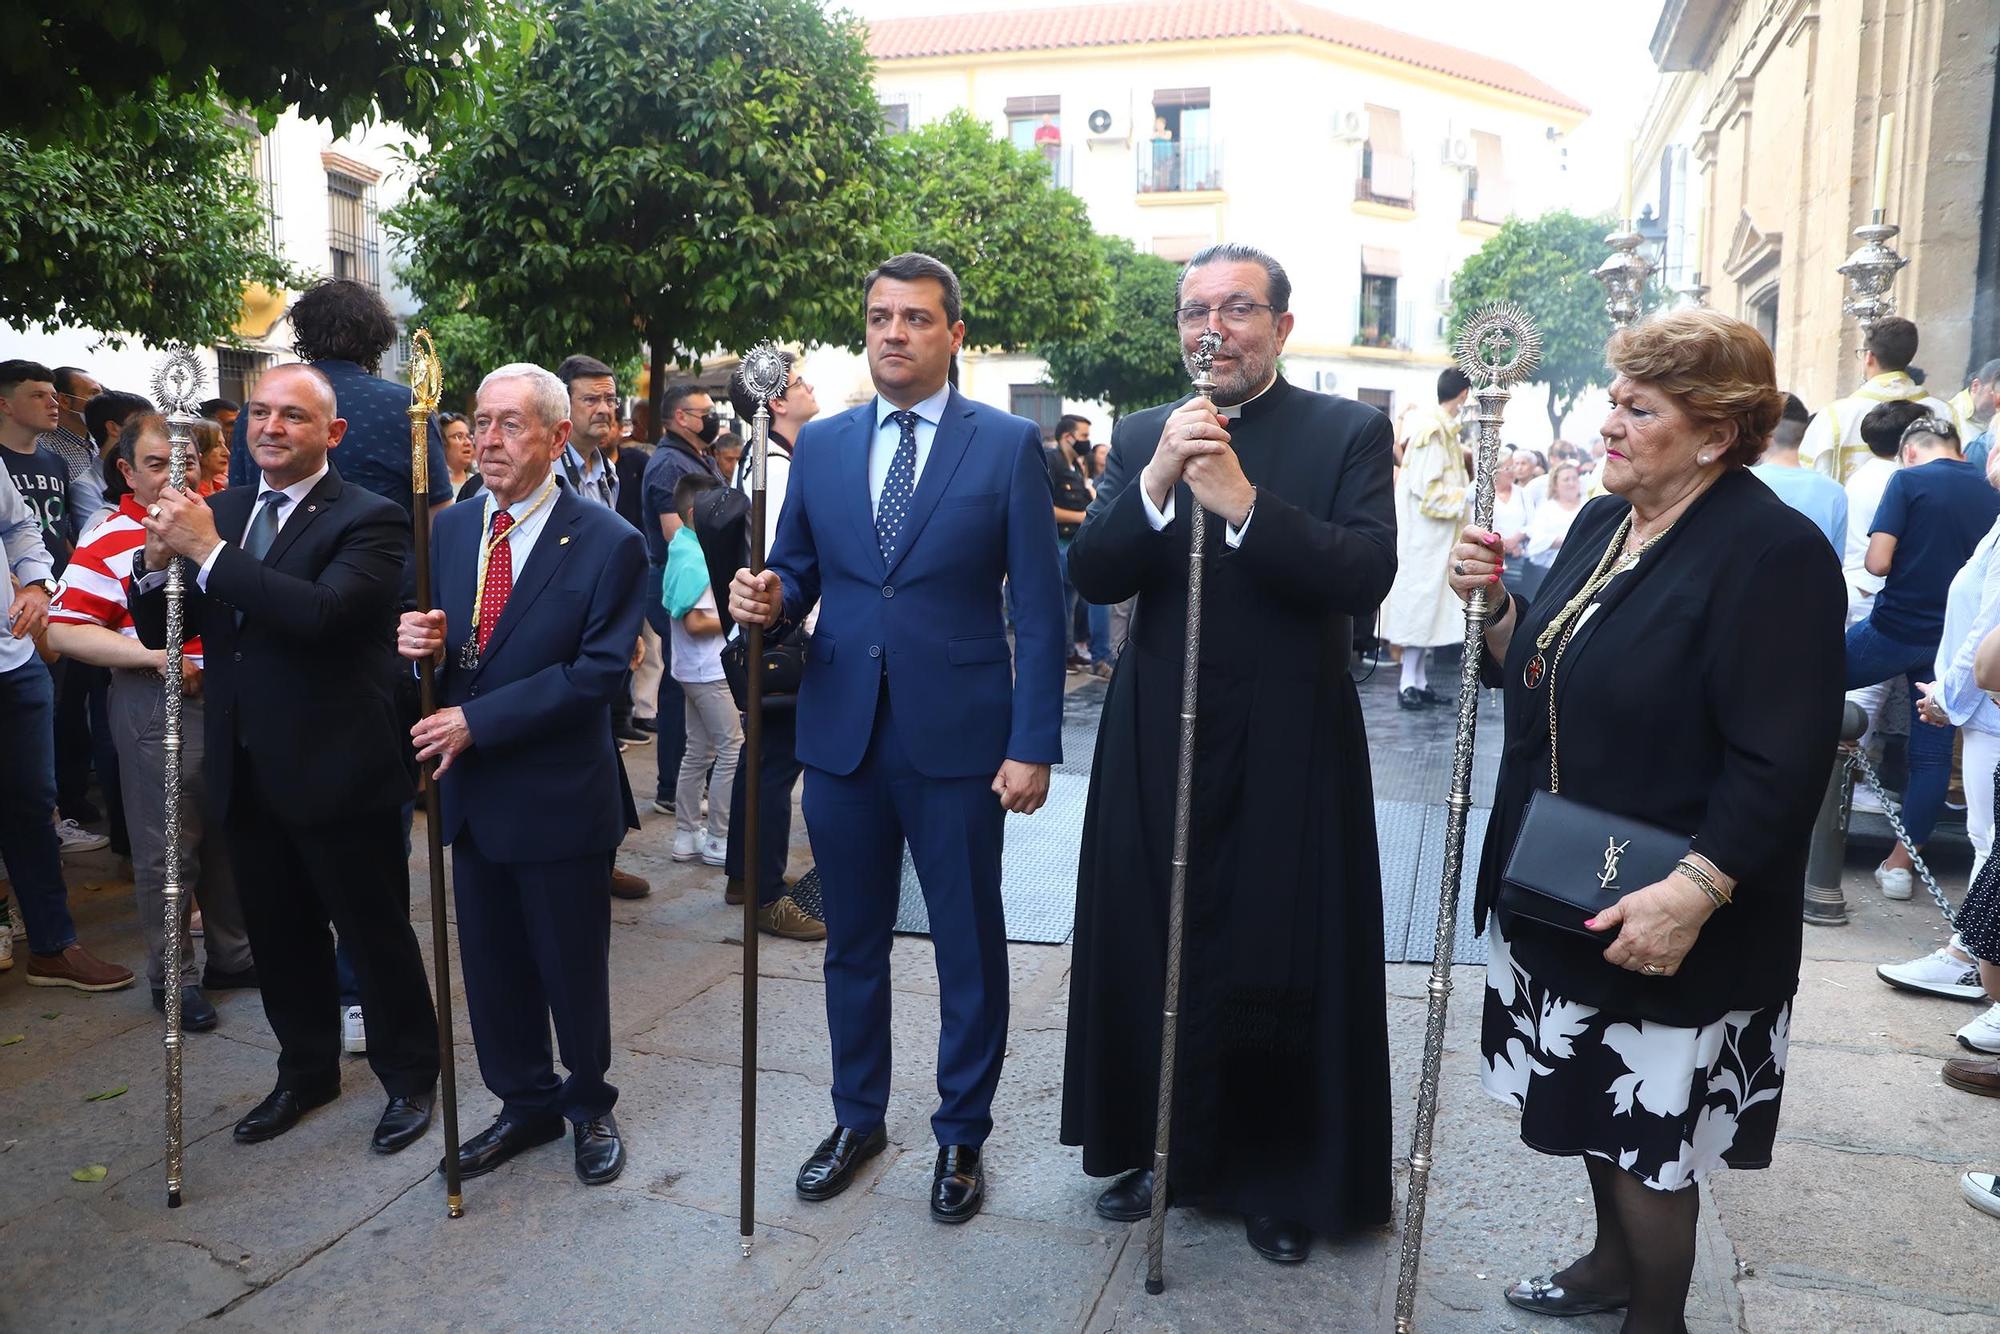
<point x="1571" y="861"/>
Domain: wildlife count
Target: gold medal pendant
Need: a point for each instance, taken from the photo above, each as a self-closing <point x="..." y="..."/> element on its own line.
<point x="1532" y="674"/>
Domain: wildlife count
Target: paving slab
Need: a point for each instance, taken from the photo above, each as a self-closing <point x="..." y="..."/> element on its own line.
<point x="1801" y="1304"/>
<point x="72" y="1269"/>
<point x="900" y="1270"/>
<point x="612" y="1260"/>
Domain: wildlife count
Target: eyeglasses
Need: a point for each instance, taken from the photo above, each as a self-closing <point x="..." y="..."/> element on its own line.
<point x="1234" y="314"/>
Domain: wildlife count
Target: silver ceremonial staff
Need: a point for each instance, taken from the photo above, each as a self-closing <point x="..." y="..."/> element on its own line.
<point x="764" y="377"/>
<point x="1156" y="1227"/>
<point x="1497" y="349"/>
<point x="176" y="383"/>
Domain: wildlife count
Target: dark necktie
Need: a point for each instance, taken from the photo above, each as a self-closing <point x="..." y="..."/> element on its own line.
<point x="263" y="529"/>
<point x="499" y="578"/>
<point x="897" y="487"/>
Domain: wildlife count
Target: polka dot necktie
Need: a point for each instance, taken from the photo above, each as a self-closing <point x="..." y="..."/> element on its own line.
<point x="894" y="506"/>
<point x="499" y="578"/>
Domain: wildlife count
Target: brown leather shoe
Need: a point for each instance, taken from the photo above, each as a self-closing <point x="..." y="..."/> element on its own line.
<point x="77" y="967"/>
<point x="786" y="918"/>
<point x="732" y="891"/>
<point x="625" y="885"/>
<point x="1974" y="1076"/>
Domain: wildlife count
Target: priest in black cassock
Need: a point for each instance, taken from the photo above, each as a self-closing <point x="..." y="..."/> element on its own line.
<point x="1281" y="1110"/>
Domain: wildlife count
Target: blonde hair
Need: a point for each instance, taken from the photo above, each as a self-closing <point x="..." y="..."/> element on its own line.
<point x="1715" y="368"/>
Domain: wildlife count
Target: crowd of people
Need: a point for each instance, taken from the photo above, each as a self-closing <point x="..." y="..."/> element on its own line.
<point x="933" y="570"/>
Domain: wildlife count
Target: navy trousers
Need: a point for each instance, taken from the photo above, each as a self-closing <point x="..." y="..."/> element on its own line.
<point x="859" y="823"/>
<point x="534" y="939"/>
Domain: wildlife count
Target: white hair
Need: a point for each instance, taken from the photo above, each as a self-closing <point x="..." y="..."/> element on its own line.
<point x="546" y="392"/>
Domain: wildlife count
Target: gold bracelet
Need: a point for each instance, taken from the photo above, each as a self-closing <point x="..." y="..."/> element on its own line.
<point x="1704" y="882"/>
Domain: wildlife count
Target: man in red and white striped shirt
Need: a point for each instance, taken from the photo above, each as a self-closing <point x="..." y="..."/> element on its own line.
<point x="91" y="621"/>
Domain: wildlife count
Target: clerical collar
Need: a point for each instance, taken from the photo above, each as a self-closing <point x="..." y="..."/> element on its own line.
<point x="1235" y="410"/>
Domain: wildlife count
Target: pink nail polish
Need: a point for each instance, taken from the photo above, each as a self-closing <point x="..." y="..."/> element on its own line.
<point x="1592" y="924"/>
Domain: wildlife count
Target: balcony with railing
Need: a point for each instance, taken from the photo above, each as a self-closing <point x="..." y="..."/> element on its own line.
<point x="1170" y="167"/>
<point x="1485" y="201"/>
<point x="1388" y="179"/>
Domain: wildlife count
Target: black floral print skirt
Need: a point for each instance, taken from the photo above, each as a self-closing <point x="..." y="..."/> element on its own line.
<point x="1667" y="1104"/>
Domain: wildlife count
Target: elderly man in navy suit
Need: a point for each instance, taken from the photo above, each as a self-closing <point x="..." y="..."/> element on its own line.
<point x="539" y="607"/>
<point x="901" y="520"/>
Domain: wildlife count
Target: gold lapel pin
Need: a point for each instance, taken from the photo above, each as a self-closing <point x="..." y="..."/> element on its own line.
<point x="563" y="541"/>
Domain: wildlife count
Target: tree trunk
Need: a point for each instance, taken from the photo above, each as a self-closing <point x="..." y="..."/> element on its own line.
<point x="1558" y="409"/>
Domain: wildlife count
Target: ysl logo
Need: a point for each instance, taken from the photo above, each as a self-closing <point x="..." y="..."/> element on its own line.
<point x="1613" y="850"/>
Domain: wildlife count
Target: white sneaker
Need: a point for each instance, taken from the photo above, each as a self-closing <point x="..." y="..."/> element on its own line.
<point x="1936" y="974"/>
<point x="1894" y="881"/>
<point x="1983" y="1033"/>
<point x="1982" y="1191"/>
<point x="687" y="845"/>
<point x="714" y="851"/>
<point x="353" y="1033"/>
<point x="75" y="838"/>
<point x="1866" y="800"/>
<point x="6" y="950"/>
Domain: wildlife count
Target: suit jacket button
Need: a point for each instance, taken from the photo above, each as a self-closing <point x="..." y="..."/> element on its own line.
<point x="887" y="591"/>
<point x="236" y="657"/>
<point x="874" y="650"/>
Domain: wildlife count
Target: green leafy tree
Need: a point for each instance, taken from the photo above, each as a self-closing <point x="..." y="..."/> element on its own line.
<point x="69" y="67"/>
<point x="696" y="174"/>
<point x="152" y="232"/>
<point x="1132" y="357"/>
<point x="1544" y="266"/>
<point x="1023" y="251"/>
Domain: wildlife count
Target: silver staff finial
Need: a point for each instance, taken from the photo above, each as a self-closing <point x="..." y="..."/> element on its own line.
<point x="178" y="381"/>
<point x="764" y="372"/>
<point x="1499" y="345"/>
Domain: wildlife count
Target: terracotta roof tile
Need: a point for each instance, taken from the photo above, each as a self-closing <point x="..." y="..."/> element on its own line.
<point x="1191" y="21"/>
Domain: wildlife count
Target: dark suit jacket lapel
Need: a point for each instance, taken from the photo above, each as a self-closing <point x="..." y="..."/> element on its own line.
<point x="550" y="548"/>
<point x="853" y="479"/>
<point x="316" y="502"/>
<point x="948" y="446"/>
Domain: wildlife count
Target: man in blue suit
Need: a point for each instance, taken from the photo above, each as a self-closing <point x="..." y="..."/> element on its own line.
<point x="538" y="594"/>
<point x="901" y="519"/>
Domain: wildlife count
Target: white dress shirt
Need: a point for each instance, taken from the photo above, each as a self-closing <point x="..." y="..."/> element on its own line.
<point x="888" y="435"/>
<point x="527" y="527"/>
<point x="1159" y="518"/>
<point x="1971" y="611"/>
<point x="296" y="493"/>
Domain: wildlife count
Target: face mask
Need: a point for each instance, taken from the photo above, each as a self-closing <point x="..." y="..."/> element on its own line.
<point x="711" y="427"/>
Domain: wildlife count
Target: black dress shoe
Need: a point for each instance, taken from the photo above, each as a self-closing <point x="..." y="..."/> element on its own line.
<point x="645" y="724"/>
<point x="1431" y="698"/>
<point x="1545" y="1296"/>
<point x="830" y="1170"/>
<point x="403" y="1123"/>
<point x="197" y="1015"/>
<point x="1129" y="1198"/>
<point x="281" y="1111"/>
<point x="1276" y="1239"/>
<point x="501" y="1141"/>
<point x="222" y="979"/>
<point x="600" y="1154"/>
<point x="1410" y="698"/>
<point x="958" y="1187"/>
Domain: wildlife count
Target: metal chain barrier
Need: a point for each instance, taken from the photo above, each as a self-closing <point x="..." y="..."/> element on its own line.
<point x="1857" y="759"/>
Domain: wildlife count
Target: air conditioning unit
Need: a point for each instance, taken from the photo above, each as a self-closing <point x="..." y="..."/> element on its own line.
<point x="1350" y="125"/>
<point x="1109" y="124"/>
<point x="1457" y="153"/>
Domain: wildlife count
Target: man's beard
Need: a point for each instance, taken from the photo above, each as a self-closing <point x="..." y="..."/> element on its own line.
<point x="1239" y="381"/>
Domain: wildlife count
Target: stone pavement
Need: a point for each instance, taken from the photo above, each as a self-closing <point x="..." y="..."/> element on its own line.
<point x="1857" y="1227"/>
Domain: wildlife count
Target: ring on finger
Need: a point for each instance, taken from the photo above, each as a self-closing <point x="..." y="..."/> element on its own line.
<point x="1458" y="568"/>
<point x="1651" y="969"/>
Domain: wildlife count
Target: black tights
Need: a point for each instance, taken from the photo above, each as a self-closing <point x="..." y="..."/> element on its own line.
<point x="1645" y="1246"/>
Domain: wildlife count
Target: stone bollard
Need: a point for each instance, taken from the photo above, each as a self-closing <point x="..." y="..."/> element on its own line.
<point x="1827" y="859"/>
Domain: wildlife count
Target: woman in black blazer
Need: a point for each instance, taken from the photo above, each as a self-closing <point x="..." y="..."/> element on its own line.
<point x="1691" y="631"/>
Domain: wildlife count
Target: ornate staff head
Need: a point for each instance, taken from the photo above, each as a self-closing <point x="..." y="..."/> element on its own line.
<point x="1203" y="362"/>
<point x="764" y="375"/>
<point x="426" y="384"/>
<point x="1499" y="346"/>
<point x="177" y="385"/>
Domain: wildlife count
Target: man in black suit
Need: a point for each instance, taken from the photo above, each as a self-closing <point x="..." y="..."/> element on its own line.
<point x="306" y="760"/>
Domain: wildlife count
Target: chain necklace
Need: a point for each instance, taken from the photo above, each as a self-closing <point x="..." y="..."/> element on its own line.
<point x="469" y="652"/>
<point x="1615" y="561"/>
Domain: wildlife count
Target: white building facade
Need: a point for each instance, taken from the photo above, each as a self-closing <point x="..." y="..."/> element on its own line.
<point x="1371" y="163"/>
<point x="323" y="195"/>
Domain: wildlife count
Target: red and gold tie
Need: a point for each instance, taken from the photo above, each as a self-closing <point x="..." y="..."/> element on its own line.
<point x="499" y="578"/>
